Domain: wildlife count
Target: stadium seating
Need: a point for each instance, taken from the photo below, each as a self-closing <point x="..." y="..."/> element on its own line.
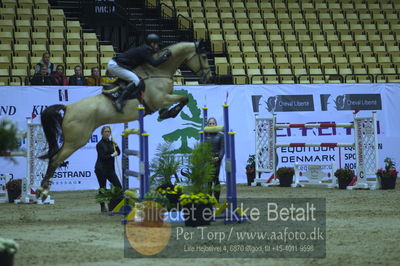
<point x="29" y="28"/>
<point x="286" y="41"/>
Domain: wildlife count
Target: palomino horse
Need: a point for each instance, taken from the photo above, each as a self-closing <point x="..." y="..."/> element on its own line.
<point x="76" y="122"/>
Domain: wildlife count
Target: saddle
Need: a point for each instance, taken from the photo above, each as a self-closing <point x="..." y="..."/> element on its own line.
<point x="113" y="90"/>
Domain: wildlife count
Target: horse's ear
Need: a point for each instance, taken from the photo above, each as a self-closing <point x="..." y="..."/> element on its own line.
<point x="200" y="46"/>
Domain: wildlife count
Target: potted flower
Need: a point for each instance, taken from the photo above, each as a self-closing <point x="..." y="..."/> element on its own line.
<point x="8" y="248"/>
<point x="164" y="166"/>
<point x="197" y="202"/>
<point x="13" y="189"/>
<point x="344" y="177"/>
<point x="251" y="169"/>
<point x="172" y="194"/>
<point x="199" y="208"/>
<point x="285" y="176"/>
<point x="111" y="196"/>
<point x="388" y="176"/>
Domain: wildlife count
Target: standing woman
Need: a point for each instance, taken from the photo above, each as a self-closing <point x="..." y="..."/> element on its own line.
<point x="107" y="150"/>
<point x="217" y="143"/>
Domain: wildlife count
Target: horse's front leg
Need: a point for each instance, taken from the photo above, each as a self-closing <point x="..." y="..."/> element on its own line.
<point x="174" y="111"/>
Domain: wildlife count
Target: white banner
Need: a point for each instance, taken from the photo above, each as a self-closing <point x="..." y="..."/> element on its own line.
<point x="291" y="103"/>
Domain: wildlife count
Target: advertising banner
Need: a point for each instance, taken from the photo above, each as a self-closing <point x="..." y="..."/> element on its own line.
<point x="291" y="103"/>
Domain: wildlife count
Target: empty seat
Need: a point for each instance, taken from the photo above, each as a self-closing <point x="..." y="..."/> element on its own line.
<point x="6" y="37"/>
<point x="40" y="14"/>
<point x="255" y="76"/>
<point x="73" y="26"/>
<point x="57" y="26"/>
<point x="41" y="4"/>
<point x="40" y="26"/>
<point x="249" y="50"/>
<point x="25" y="4"/>
<point x="239" y="76"/>
<point x="39" y="38"/>
<point x="38" y="49"/>
<point x="57" y="15"/>
<point x="107" y="51"/>
<point x="23" y="25"/>
<point x="200" y="30"/>
<point x="24" y="13"/>
<point x="4" y="72"/>
<point x="73" y="38"/>
<point x="22" y="38"/>
<point x="236" y="62"/>
<point x="221" y="65"/>
<point x="57" y="38"/>
<point x="21" y="50"/>
<point x="90" y="51"/>
<point x="217" y="43"/>
<point x="74" y="50"/>
<point x="71" y="62"/>
<point x="5" y="49"/>
<point x="20" y="62"/>
<point x="7" y="13"/>
<point x="90" y="62"/>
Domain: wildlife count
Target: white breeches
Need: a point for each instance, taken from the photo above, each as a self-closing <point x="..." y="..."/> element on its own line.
<point x="122" y="73"/>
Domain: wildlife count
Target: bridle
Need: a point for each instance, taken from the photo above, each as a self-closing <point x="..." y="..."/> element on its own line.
<point x="204" y="70"/>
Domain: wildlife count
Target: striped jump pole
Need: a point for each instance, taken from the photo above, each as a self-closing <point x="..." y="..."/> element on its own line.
<point x="365" y="145"/>
<point x="322" y="144"/>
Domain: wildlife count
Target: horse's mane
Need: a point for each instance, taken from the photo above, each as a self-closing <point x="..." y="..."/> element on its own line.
<point x="179" y="46"/>
<point x="179" y="51"/>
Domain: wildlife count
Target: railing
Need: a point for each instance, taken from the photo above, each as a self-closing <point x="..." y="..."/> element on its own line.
<point x="184" y="22"/>
<point x="370" y="76"/>
<point x="169" y="12"/>
<point x="219" y="79"/>
<point x="13" y="76"/>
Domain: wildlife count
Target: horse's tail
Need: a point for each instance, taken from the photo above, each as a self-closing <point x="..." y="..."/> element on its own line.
<point x="51" y="119"/>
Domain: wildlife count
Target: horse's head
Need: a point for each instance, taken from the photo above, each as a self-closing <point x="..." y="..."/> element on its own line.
<point x="199" y="63"/>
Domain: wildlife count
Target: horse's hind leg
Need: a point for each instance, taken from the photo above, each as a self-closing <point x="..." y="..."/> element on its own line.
<point x="65" y="151"/>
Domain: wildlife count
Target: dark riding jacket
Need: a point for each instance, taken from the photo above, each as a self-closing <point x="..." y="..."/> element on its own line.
<point x="105" y="162"/>
<point x="137" y="56"/>
<point x="217" y="143"/>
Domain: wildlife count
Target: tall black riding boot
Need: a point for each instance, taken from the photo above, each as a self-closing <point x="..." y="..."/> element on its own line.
<point x="103" y="207"/>
<point x="119" y="103"/>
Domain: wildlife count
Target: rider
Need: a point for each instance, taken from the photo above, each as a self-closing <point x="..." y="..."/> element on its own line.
<point x="123" y="64"/>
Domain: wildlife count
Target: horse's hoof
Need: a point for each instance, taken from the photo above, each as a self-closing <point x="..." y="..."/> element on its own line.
<point x="44" y="195"/>
<point x="39" y="192"/>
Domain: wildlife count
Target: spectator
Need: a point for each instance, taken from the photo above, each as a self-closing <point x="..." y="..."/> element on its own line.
<point x="94" y="79"/>
<point x="58" y="78"/>
<point x="107" y="150"/>
<point x="77" y="79"/>
<point x="45" y="61"/>
<point x="41" y="78"/>
<point x="108" y="78"/>
<point x="216" y="140"/>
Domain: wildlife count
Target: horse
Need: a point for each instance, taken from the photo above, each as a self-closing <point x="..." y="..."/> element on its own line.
<point x="76" y="122"/>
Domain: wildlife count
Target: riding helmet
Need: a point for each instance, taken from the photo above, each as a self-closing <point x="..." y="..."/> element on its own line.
<point x="152" y="38"/>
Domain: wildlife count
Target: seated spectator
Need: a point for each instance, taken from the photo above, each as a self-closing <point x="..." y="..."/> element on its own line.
<point x="94" y="79"/>
<point x="77" y="79"/>
<point x="45" y="61"/>
<point x="41" y="78"/>
<point x="108" y="78"/>
<point x="58" y="78"/>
